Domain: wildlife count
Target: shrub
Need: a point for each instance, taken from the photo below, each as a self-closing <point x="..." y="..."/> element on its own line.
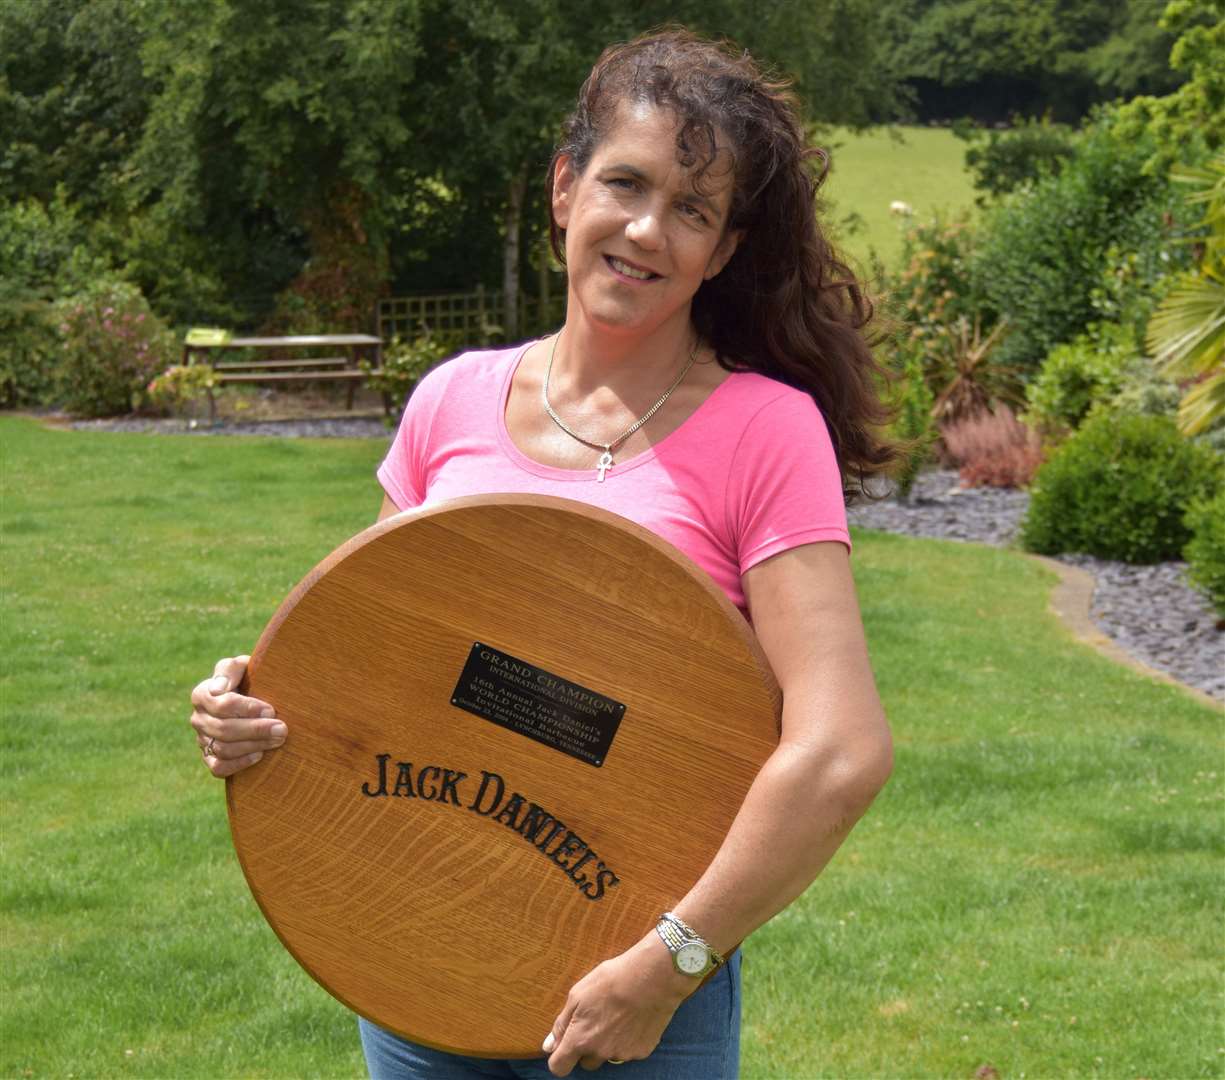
<point x="963" y="371"/>
<point x="993" y="449"/>
<point x="111" y="346"/>
<point x="1075" y="376"/>
<point x="1119" y="489"/>
<point x="1205" y="551"/>
<point x="179" y="387"/>
<point x="935" y="288"/>
<point x="947" y="323"/>
<point x="41" y="256"/>
<point x="1045" y="250"/>
<point x="913" y="425"/>
<point x="1002" y="161"/>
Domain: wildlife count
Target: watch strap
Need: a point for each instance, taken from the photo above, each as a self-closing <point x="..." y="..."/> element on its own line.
<point x="676" y="934"/>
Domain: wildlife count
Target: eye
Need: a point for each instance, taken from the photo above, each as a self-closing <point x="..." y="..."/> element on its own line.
<point x="623" y="182"/>
<point x="691" y="211"/>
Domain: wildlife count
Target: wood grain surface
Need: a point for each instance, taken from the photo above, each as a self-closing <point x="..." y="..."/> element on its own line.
<point x="372" y="840"/>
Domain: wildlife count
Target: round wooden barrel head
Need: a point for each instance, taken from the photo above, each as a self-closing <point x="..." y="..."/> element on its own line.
<point x="519" y="729"/>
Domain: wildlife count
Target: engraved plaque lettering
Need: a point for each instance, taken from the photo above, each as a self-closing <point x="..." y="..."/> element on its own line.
<point x="531" y="701"/>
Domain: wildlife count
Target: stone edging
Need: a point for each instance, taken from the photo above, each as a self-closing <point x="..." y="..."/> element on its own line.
<point x="1070" y="601"/>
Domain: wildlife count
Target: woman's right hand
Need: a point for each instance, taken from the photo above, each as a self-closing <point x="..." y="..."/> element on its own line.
<point x="232" y="731"/>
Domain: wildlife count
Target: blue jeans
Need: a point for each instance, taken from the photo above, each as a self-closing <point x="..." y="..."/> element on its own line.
<point x="701" y="1043"/>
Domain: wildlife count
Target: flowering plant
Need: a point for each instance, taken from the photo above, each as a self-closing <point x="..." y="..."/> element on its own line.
<point x="111" y="346"/>
<point x="177" y="388"/>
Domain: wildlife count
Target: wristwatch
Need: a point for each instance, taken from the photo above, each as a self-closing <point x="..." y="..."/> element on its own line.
<point x="690" y="954"/>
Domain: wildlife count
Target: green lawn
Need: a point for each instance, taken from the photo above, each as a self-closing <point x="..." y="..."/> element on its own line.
<point x="924" y="167"/>
<point x="1039" y="887"/>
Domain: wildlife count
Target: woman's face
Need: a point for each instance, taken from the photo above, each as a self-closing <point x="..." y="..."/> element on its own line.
<point x="640" y="238"/>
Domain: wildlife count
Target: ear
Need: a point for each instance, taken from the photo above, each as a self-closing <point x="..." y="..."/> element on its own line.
<point x="723" y="253"/>
<point x="563" y="190"/>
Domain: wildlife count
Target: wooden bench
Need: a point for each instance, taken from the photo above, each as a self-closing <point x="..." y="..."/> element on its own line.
<point x="276" y="368"/>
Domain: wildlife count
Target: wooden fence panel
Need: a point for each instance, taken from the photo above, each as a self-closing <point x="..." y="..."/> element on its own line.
<point x="477" y="317"/>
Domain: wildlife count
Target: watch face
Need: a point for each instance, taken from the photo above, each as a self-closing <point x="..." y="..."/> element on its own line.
<point x="692" y="959"/>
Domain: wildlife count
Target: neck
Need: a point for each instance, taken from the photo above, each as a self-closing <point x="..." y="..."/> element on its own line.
<point x="589" y="357"/>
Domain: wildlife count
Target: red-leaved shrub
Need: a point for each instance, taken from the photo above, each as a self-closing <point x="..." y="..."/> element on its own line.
<point x="992" y="449"/>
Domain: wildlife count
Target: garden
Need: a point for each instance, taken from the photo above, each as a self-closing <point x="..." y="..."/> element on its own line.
<point x="1038" y="890"/>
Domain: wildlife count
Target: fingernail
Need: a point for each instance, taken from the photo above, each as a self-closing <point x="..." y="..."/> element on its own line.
<point x="266" y="712"/>
<point x="548" y="1044"/>
<point x="253" y="758"/>
<point x="219" y="685"/>
<point x="278" y="730"/>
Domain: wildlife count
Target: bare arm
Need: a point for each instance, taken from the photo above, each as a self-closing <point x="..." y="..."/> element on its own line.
<point x="388" y="508"/>
<point x="834" y="755"/>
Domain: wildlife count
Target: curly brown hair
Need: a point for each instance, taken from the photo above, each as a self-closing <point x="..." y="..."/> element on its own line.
<point x="786" y="305"/>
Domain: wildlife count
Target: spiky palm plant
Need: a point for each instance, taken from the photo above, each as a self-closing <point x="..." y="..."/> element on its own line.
<point x="1186" y="334"/>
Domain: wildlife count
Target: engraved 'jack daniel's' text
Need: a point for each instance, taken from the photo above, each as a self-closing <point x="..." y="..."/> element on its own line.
<point x="434" y="783"/>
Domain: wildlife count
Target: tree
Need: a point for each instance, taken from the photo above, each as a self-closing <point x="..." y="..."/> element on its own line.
<point x="274" y="119"/>
<point x="991" y="58"/>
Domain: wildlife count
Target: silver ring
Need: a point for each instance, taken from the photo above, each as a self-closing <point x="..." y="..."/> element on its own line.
<point x="210" y="747"/>
<point x="615" y="1061"/>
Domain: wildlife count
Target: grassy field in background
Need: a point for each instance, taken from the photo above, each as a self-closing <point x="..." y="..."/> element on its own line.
<point x="1039" y="887"/>
<point x="924" y="167"/>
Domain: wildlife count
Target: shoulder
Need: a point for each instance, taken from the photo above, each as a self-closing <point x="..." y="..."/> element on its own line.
<point x="765" y="407"/>
<point x="470" y="366"/>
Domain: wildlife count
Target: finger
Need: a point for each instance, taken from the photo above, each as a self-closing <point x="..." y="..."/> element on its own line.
<point x="227" y="751"/>
<point x="265" y="730"/>
<point x="231" y="669"/>
<point x="225" y="702"/>
<point x="223" y="767"/>
<point x="564" y="1057"/>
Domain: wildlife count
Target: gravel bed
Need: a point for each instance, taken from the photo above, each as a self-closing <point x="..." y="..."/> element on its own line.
<point x="356" y="427"/>
<point x="1151" y="611"/>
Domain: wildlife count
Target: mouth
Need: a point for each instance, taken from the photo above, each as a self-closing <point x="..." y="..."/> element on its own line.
<point x="629" y="270"/>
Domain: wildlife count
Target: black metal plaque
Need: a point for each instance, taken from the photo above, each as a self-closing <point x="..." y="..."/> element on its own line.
<point x="531" y="701"/>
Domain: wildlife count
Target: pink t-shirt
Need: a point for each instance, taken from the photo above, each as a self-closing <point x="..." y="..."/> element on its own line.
<point x="750" y="474"/>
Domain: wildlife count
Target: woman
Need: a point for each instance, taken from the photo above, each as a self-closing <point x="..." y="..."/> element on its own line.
<point x="711" y="382"/>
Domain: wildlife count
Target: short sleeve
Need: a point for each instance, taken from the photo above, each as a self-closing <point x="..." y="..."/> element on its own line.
<point x="403" y="472"/>
<point x="785" y="487"/>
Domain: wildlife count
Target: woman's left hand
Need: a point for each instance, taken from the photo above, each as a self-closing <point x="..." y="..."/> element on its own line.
<point x="618" y="1010"/>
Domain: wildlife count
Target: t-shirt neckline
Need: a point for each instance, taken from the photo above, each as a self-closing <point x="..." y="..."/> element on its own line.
<point x="554" y="472"/>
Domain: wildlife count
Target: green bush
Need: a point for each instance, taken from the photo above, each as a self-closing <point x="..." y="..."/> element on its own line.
<point x="1046" y="250"/>
<point x="1119" y="489"/>
<point x="1205" y="551"/>
<point x="935" y="286"/>
<point x="913" y="425"/>
<point x="1075" y="376"/>
<point x="111" y="347"/>
<point x="1002" y="161"/>
<point x="41" y="256"/>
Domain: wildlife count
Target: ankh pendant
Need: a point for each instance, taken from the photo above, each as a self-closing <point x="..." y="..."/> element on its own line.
<point x="604" y="464"/>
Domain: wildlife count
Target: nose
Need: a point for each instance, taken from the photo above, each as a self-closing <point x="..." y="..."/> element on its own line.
<point x="644" y="230"/>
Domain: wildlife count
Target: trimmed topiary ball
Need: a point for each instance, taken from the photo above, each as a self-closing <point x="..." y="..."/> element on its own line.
<point x="1205" y="551"/>
<point x="1119" y="489"/>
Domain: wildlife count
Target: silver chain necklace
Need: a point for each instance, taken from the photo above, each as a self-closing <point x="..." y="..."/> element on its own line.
<point x="606" y="459"/>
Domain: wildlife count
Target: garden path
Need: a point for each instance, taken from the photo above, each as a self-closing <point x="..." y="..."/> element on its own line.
<point x="1150" y="611"/>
